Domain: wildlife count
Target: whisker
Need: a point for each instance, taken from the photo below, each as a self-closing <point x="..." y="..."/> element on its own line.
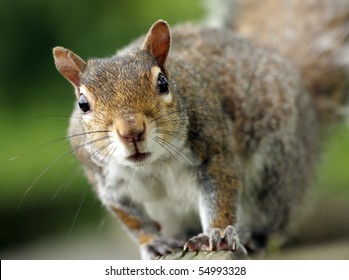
<point x="108" y="154"/>
<point x="165" y="115"/>
<point x="165" y="148"/>
<point x="219" y="121"/>
<point x="95" y="119"/>
<point x="183" y="109"/>
<point x="132" y="178"/>
<point x="177" y="151"/>
<point x="172" y="132"/>
<point x="179" y="120"/>
<point x="101" y="223"/>
<point x="83" y="198"/>
<point x="43" y="172"/>
<point x="50" y="143"/>
<point x="67" y="181"/>
<point x="40" y="175"/>
<point x="174" y="149"/>
<point x="87" y="133"/>
<point x="183" y="119"/>
<point x="77" y="214"/>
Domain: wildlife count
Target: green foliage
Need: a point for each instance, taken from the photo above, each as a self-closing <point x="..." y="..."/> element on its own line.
<point x="36" y="102"/>
<point x="333" y="170"/>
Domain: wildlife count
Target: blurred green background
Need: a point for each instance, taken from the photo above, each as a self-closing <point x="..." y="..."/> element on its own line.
<point x="43" y="192"/>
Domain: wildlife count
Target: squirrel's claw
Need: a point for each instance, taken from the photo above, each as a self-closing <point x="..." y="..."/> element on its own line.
<point x="228" y="241"/>
<point x="198" y="243"/>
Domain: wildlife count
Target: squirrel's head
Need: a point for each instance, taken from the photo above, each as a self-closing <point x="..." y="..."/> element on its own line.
<point x="129" y="112"/>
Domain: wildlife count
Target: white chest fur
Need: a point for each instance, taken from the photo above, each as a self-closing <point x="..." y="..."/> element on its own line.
<point x="168" y="191"/>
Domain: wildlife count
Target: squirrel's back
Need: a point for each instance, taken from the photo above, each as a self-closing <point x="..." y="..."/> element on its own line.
<point x="268" y="113"/>
<point x="313" y="34"/>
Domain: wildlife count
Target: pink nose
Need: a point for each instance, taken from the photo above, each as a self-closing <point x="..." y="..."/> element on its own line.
<point x="131" y="128"/>
<point x="132" y="134"/>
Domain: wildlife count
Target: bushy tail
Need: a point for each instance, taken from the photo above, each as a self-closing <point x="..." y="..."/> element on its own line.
<point x="313" y="34"/>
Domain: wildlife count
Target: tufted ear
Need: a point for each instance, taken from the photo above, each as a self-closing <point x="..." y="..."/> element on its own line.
<point x="69" y="65"/>
<point x="158" y="41"/>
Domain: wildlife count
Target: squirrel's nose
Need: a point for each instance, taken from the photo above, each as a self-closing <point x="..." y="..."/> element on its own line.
<point x="131" y="128"/>
<point x="132" y="134"/>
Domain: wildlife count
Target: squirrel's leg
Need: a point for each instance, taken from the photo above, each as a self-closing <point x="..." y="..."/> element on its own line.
<point x="144" y="230"/>
<point x="218" y="207"/>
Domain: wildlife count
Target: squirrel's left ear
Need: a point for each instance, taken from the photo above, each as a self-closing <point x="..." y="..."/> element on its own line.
<point x="70" y="65"/>
<point x="158" y="41"/>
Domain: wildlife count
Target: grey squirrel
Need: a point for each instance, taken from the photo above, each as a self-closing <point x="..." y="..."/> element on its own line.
<point x="194" y="137"/>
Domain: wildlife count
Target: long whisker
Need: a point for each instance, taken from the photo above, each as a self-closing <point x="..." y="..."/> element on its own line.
<point x="96" y="119"/>
<point x="108" y="154"/>
<point x="77" y="213"/>
<point x="83" y="198"/>
<point x="78" y="169"/>
<point x="132" y="178"/>
<point x="165" y="115"/>
<point x="54" y="162"/>
<point x="68" y="181"/>
<point x="179" y="151"/>
<point x="164" y="147"/>
<point x="174" y="149"/>
<point x="181" y="109"/>
<point x="180" y="120"/>
<point x="183" y="118"/>
<point x="172" y="132"/>
<point x="50" y="143"/>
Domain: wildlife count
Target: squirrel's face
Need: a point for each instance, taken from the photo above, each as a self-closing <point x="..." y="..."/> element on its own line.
<point x="128" y="110"/>
<point x="129" y="113"/>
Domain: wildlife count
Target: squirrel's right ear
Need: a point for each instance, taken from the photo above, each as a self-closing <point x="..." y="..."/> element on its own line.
<point x="70" y="65"/>
<point x="157" y="42"/>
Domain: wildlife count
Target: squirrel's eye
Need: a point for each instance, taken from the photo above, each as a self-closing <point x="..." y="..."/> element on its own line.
<point x="162" y="84"/>
<point x="83" y="103"/>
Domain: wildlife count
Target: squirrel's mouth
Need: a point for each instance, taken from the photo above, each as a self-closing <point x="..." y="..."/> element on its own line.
<point x="138" y="157"/>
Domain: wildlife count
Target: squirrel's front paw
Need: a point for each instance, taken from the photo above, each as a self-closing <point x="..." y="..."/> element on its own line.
<point x="217" y="241"/>
<point x="159" y="247"/>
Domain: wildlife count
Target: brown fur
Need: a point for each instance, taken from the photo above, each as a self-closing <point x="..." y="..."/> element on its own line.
<point x="131" y="222"/>
<point x="237" y="122"/>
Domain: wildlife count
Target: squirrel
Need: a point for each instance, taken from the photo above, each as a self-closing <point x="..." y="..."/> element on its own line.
<point x="195" y="137"/>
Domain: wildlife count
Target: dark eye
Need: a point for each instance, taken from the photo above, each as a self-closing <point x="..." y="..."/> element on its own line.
<point x="162" y="84"/>
<point x="83" y="103"/>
